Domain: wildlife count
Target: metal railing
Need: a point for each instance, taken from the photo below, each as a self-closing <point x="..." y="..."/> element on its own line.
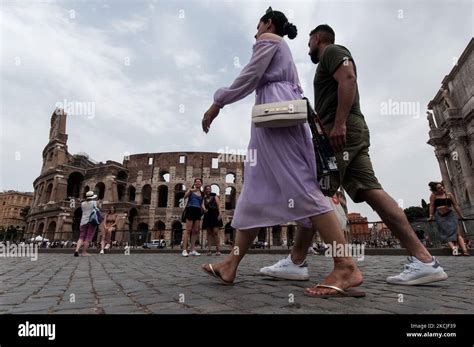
<point x="378" y="236"/>
<point x="373" y="235"/>
<point x="120" y="238"/>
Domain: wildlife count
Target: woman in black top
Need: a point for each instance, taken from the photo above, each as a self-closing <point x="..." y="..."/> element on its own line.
<point x="192" y="214"/>
<point x="212" y="219"/>
<point x="441" y="207"/>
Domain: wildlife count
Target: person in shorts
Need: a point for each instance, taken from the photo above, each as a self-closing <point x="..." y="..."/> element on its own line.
<point x="336" y="101"/>
<point x="87" y="229"/>
<point x="193" y="214"/>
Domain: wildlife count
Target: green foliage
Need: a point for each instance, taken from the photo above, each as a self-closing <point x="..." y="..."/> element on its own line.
<point x="414" y="213"/>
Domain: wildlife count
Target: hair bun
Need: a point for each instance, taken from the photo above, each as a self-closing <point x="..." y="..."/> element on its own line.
<point x="290" y="30"/>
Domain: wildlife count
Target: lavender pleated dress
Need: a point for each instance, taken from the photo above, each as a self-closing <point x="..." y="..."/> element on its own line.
<point x="282" y="186"/>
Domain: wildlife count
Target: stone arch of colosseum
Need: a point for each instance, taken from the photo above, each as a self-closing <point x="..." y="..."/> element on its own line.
<point x="146" y="189"/>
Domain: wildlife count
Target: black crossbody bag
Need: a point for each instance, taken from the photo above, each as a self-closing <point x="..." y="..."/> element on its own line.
<point x="326" y="164"/>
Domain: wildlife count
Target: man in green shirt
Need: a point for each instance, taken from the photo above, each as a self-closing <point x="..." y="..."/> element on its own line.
<point x="336" y="100"/>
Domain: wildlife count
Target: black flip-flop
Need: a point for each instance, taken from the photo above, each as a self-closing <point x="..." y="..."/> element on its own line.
<point x="341" y="293"/>
<point x="214" y="274"/>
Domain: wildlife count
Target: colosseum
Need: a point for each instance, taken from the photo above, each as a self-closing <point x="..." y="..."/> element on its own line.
<point x="146" y="190"/>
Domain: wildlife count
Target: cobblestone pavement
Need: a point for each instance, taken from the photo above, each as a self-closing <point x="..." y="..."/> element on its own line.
<point x="169" y="283"/>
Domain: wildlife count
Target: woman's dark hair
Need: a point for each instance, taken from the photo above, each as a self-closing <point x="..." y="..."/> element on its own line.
<point x="282" y="26"/>
<point x="205" y="187"/>
<point x="433" y="186"/>
<point x="111" y="208"/>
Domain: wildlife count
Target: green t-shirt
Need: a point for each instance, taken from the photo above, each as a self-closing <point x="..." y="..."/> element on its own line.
<point x="325" y="86"/>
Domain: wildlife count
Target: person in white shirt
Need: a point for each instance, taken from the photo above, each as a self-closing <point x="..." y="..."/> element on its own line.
<point x="87" y="230"/>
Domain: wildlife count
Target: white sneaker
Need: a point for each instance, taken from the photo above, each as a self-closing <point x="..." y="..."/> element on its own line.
<point x="107" y="246"/>
<point x="286" y="269"/>
<point x="101" y="251"/>
<point x="185" y="253"/>
<point x="194" y="253"/>
<point x="417" y="272"/>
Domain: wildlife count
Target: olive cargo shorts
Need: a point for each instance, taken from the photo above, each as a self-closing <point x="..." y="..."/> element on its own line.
<point x="355" y="168"/>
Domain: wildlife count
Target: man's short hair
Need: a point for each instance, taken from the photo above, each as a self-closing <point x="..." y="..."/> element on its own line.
<point x="327" y="35"/>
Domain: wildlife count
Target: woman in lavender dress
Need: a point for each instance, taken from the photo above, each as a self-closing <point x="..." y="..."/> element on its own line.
<point x="282" y="186"/>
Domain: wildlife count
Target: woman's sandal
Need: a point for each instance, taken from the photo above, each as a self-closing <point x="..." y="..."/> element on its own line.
<point x="340" y="293"/>
<point x="215" y="275"/>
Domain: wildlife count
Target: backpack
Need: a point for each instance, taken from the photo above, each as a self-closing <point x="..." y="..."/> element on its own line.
<point x="96" y="217"/>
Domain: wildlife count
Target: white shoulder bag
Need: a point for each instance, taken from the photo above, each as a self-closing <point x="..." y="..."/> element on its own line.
<point x="280" y="114"/>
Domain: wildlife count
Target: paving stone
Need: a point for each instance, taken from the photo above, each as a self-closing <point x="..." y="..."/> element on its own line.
<point x="117" y="283"/>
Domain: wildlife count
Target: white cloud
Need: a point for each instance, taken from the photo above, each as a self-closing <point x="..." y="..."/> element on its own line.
<point x="179" y="62"/>
<point x="133" y="25"/>
<point x="185" y="58"/>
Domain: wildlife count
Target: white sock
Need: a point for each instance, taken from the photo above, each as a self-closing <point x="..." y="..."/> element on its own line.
<point x="428" y="264"/>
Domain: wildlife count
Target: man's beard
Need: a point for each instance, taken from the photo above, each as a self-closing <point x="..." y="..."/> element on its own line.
<point x="314" y="56"/>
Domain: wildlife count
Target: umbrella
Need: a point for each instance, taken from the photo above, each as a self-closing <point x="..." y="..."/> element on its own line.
<point x="38" y="238"/>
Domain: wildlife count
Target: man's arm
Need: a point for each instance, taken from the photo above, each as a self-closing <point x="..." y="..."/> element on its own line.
<point x="346" y="91"/>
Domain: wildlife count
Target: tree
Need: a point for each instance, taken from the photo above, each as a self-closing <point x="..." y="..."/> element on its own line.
<point x="416" y="212"/>
<point x="11" y="233"/>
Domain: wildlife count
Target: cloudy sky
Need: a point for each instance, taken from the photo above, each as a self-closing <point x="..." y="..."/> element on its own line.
<point x="145" y="72"/>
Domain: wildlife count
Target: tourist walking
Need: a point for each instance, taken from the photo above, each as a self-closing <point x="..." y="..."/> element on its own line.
<point x="282" y="185"/>
<point x="336" y="101"/>
<point x="88" y="225"/>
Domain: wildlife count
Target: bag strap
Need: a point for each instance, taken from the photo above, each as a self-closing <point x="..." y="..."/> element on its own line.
<point x="315" y="121"/>
<point x="322" y="145"/>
